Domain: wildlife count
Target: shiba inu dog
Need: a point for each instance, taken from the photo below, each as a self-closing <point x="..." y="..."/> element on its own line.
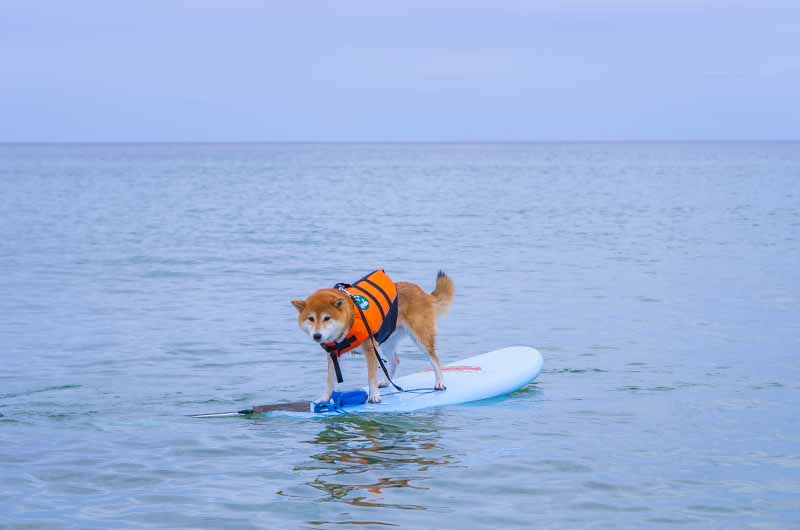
<point x="372" y="311"/>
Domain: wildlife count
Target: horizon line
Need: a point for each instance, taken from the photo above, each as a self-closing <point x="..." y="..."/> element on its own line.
<point x="380" y="142"/>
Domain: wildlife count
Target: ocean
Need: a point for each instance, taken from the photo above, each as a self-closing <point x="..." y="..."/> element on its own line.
<point x="141" y="283"/>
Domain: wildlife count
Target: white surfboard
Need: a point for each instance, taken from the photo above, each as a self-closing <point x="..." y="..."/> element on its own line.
<point x="484" y="376"/>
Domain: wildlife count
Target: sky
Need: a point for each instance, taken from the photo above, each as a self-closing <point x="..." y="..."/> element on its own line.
<point x="243" y="70"/>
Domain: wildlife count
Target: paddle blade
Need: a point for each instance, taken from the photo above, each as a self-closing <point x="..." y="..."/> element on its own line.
<point x="294" y="406"/>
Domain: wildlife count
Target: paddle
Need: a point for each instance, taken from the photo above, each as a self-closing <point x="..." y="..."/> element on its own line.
<point x="294" y="406"/>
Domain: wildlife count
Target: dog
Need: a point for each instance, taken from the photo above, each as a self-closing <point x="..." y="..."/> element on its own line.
<point x="328" y="316"/>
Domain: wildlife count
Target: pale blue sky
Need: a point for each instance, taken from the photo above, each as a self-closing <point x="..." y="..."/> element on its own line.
<point x="404" y="71"/>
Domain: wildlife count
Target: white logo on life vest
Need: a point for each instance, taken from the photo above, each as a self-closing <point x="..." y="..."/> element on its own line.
<point x="362" y="302"/>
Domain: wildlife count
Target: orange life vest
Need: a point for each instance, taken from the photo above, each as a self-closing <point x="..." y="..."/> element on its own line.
<point x="374" y="301"/>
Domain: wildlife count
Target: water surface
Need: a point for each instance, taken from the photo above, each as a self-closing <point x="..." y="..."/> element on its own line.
<point x="142" y="283"/>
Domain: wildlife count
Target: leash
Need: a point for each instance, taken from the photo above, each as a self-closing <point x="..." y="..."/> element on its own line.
<point x="335" y="358"/>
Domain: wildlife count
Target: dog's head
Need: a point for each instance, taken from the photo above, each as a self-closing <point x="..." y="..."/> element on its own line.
<point x="325" y="315"/>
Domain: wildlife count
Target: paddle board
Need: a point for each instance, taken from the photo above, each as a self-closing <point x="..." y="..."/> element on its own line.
<point x="483" y="376"/>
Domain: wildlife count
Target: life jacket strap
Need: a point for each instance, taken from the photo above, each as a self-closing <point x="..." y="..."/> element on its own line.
<point x="338" y="347"/>
<point x="383" y="367"/>
<point x="335" y="359"/>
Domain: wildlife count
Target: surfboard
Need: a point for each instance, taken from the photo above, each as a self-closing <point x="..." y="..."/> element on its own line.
<point x="483" y="376"/>
<point x="488" y="375"/>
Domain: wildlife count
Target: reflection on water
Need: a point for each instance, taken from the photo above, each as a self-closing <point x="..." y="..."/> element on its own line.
<point x="369" y="462"/>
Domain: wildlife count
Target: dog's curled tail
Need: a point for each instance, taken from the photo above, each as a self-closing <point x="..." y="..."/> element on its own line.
<point x="443" y="293"/>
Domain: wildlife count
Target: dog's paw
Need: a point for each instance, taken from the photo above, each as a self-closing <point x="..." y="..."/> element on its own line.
<point x="374" y="396"/>
<point x="323" y="398"/>
<point x="439" y="386"/>
<point x="383" y="384"/>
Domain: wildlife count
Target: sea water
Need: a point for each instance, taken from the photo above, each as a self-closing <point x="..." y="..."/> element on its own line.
<point x="143" y="283"/>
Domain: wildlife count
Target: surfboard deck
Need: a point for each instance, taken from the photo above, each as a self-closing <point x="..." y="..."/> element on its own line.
<point x="483" y="376"/>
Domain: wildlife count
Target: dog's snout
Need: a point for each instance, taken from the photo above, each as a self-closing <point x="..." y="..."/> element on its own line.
<point x="317" y="336"/>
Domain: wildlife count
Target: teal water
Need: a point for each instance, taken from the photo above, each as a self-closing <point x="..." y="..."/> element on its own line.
<point x="142" y="283"/>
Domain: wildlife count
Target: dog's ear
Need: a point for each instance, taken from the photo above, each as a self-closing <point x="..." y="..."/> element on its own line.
<point x="299" y="304"/>
<point x="339" y="302"/>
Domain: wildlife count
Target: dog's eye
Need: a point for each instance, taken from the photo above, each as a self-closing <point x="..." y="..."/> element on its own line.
<point x="326" y="319"/>
<point x="311" y="319"/>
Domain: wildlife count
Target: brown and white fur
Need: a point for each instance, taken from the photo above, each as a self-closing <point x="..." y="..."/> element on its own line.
<point x="325" y="316"/>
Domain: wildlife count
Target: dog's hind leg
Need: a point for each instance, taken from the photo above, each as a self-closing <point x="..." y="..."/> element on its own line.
<point x="427" y="343"/>
<point x="389" y="351"/>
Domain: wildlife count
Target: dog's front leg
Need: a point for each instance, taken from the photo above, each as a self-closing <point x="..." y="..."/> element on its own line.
<point x="326" y="396"/>
<point x="372" y="373"/>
